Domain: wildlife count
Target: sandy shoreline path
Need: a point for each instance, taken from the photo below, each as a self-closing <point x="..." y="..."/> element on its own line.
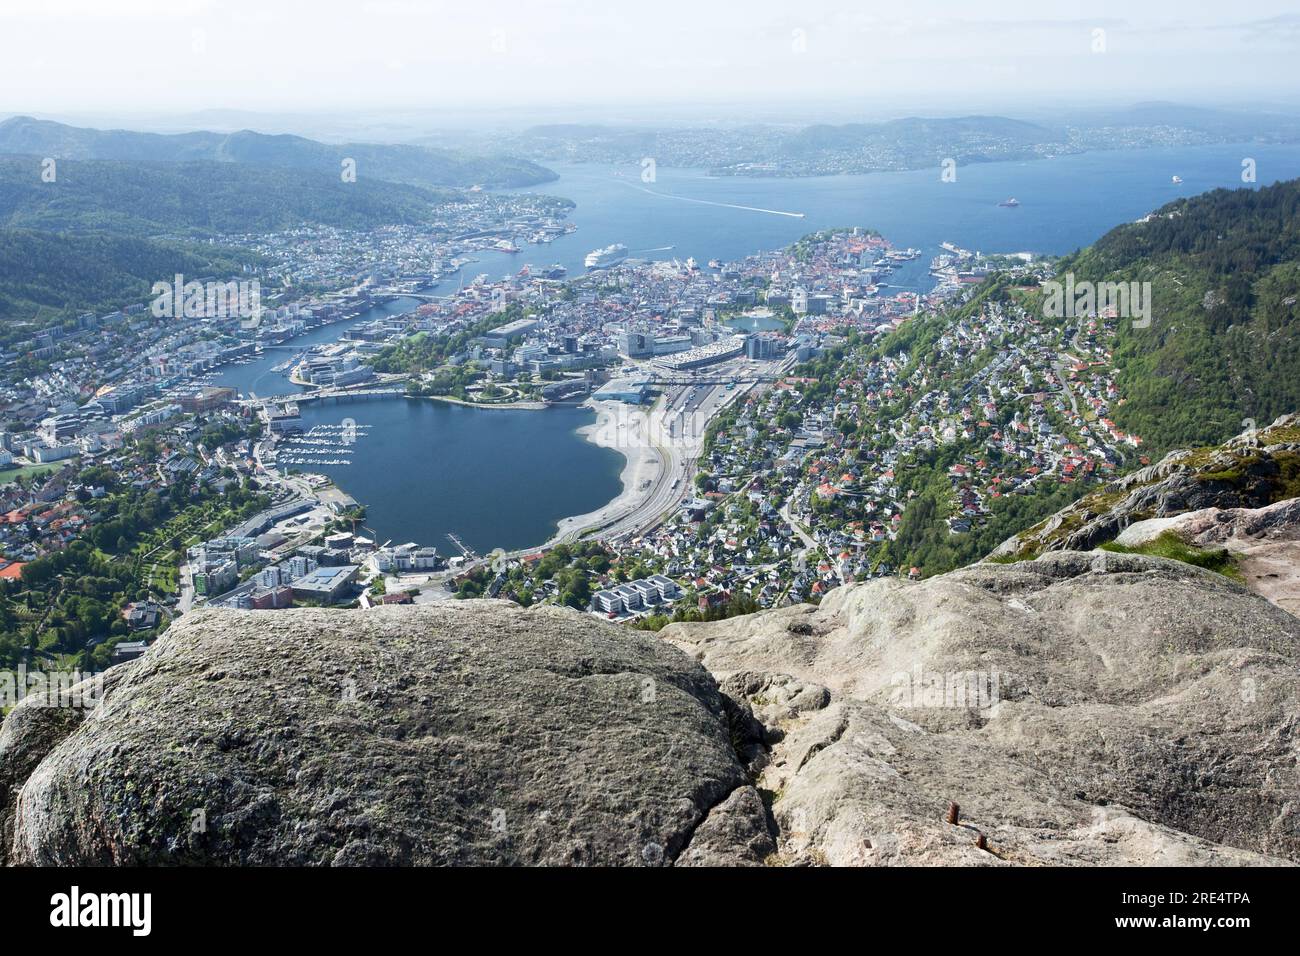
<point x="627" y="429"/>
<point x="662" y="447"/>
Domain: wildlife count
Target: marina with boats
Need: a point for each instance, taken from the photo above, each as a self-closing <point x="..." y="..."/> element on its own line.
<point x="319" y="446"/>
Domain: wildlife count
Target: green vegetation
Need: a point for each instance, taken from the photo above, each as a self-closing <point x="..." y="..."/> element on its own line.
<point x="923" y="538"/>
<point x="1169" y="545"/>
<point x="30" y="472"/>
<point x="802" y="249"/>
<point x="426" y="352"/>
<point x="1224" y="344"/>
<point x="64" y="611"/>
<point x="1224" y="347"/>
<point x="564" y="575"/>
<point x="63" y="614"/>
<point x="737" y="605"/>
<point x="226" y="432"/>
<point x="1277" y="479"/>
<point x="199" y="199"/>
<point x="48" y="279"/>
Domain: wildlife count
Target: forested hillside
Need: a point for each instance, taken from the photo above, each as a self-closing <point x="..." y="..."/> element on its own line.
<point x="198" y="198"/>
<point x="45" y="277"/>
<point x="990" y="416"/>
<point x="101" y="233"/>
<point x="1224" y="343"/>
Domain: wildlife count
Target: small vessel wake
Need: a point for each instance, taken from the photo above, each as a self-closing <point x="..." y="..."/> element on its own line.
<point x="712" y="202"/>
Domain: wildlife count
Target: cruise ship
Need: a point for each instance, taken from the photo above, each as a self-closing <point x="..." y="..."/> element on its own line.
<point x="610" y="255"/>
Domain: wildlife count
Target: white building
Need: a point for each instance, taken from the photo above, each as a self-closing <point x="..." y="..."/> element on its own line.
<point x="403" y="557"/>
<point x="47" y="453"/>
<point x="799" y="300"/>
<point x="641" y="594"/>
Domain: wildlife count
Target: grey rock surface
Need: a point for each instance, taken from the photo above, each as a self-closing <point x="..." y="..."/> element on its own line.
<point x="470" y="733"/>
<point x="1211" y="526"/>
<point x="736" y="833"/>
<point x="1265" y="542"/>
<point x="33" y="728"/>
<point x="1081" y="709"/>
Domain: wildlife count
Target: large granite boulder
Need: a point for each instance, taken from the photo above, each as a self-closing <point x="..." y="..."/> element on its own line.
<point x="34" y="728"/>
<point x="1081" y="708"/>
<point x="467" y="733"/>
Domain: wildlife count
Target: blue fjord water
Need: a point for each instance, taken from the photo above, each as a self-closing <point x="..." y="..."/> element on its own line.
<point x="503" y="478"/>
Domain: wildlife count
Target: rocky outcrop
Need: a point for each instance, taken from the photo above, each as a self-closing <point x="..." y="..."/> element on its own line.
<point x="1079" y="709"/>
<point x="1219" y="526"/>
<point x="1255" y="469"/>
<point x="469" y="733"/>
<point x="1265" y="543"/>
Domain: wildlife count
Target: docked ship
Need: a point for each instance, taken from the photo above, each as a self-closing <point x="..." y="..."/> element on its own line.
<point x="555" y="271"/>
<point x="609" y="256"/>
<point x="1010" y="203"/>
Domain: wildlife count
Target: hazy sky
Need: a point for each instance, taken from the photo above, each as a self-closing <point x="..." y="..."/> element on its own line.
<point x="149" y="55"/>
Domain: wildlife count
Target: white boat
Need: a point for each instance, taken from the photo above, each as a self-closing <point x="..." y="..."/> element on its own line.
<point x="1177" y="180"/>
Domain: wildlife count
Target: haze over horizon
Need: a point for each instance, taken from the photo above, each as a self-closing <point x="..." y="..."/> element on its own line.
<point x="606" y="62"/>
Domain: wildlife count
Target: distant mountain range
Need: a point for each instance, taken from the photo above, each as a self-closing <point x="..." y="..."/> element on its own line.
<point x="920" y="132"/>
<point x="199" y="198"/>
<point x="808" y="150"/>
<point x="415" y="165"/>
<point x="908" y="143"/>
<point x="1224" y="125"/>
<point x="105" y="229"/>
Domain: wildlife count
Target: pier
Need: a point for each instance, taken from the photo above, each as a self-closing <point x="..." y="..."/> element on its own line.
<point x="465" y="549"/>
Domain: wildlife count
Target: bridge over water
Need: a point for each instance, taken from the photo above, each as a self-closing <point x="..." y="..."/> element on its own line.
<point x="402" y="294"/>
<point x="320" y="395"/>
